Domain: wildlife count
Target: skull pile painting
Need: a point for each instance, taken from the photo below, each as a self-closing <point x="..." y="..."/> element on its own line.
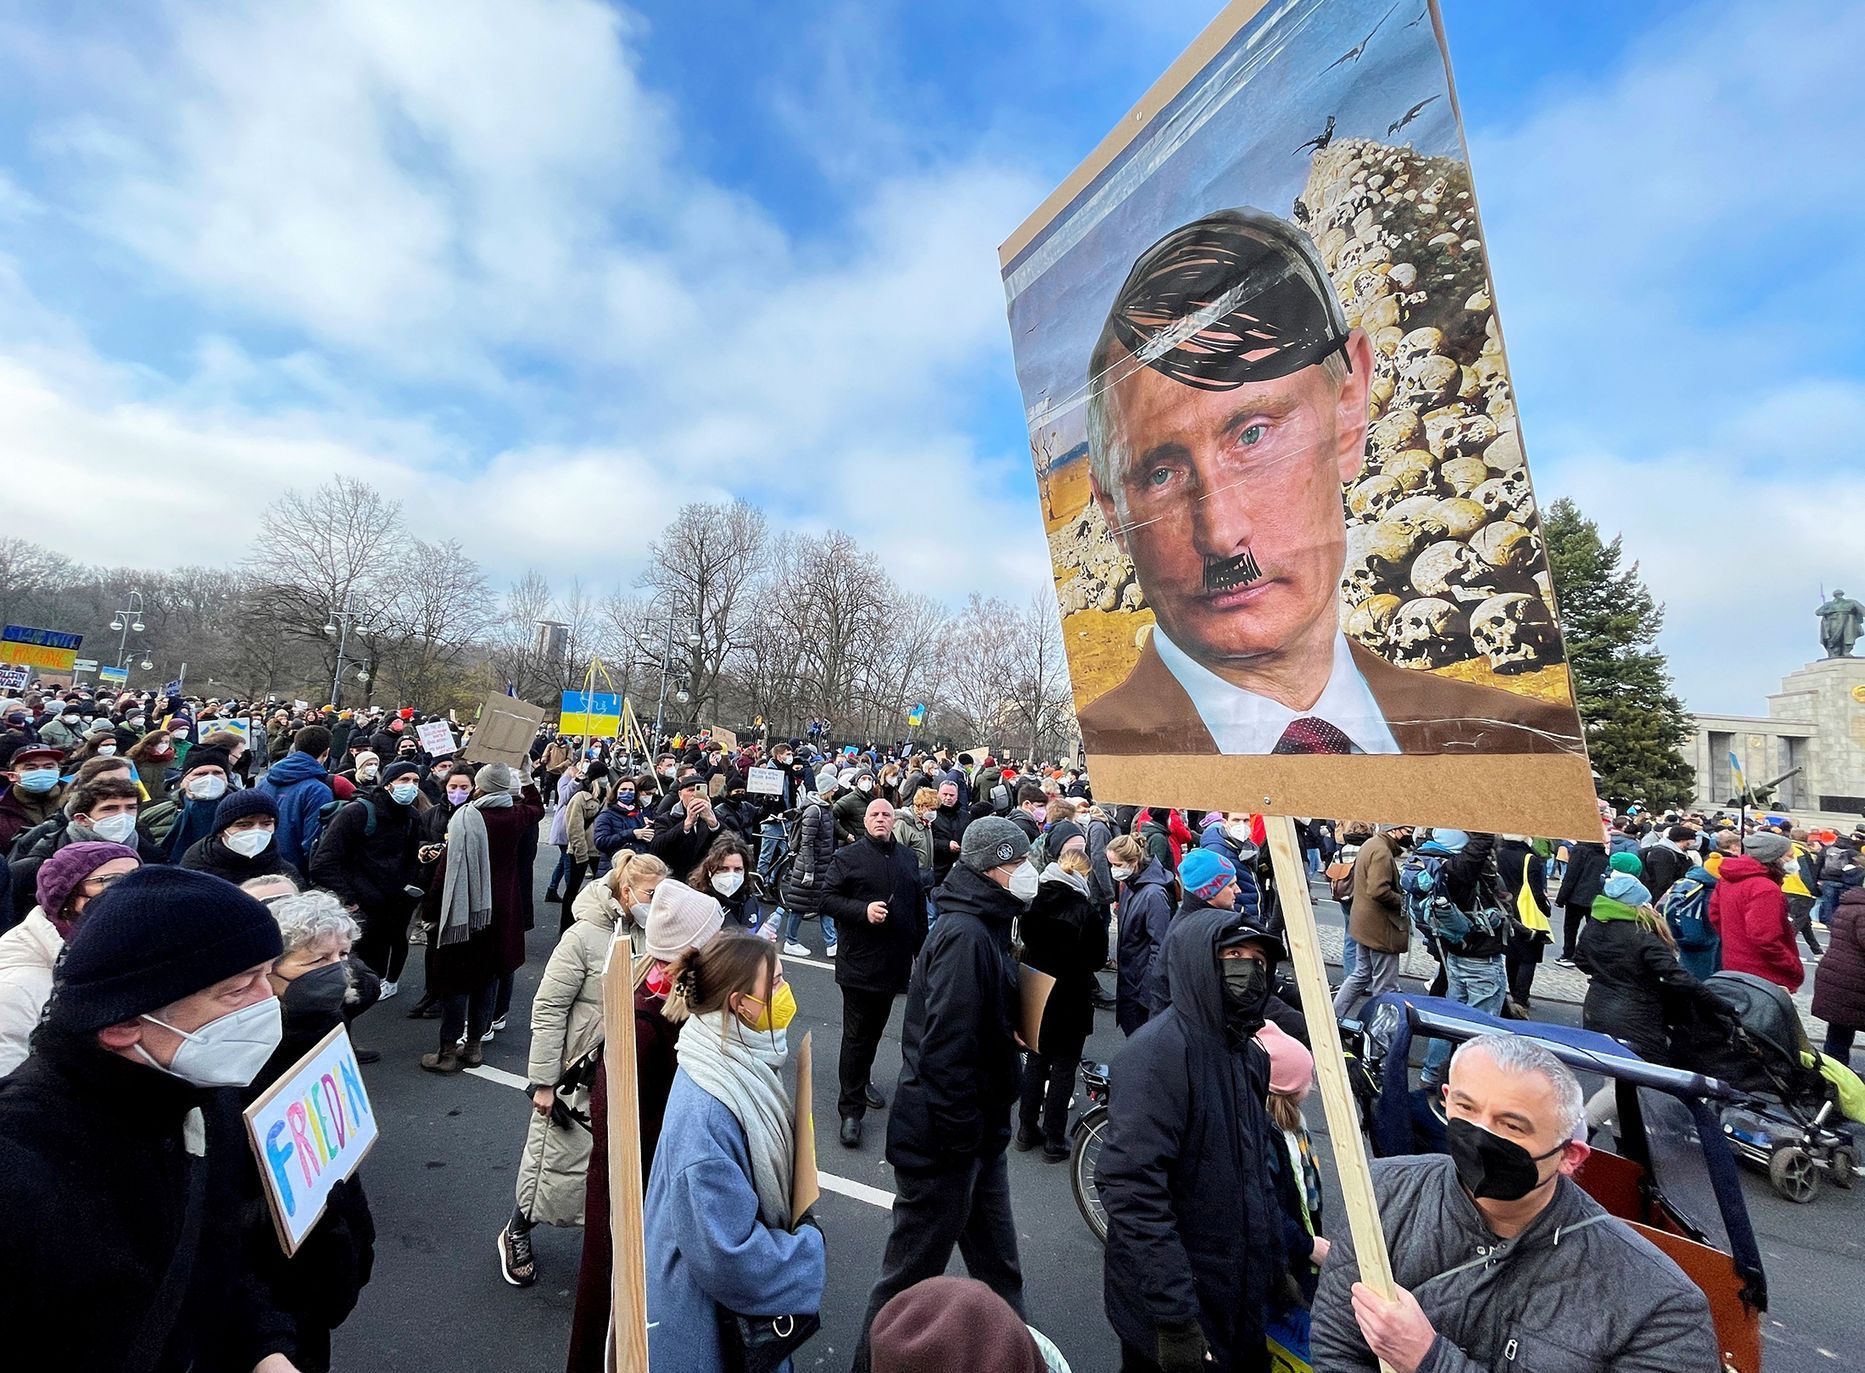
<point x="1295" y="544"/>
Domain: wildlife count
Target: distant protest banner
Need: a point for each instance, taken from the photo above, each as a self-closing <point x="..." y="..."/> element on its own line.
<point x="765" y="781"/>
<point x="14" y="678"/>
<point x="41" y="648"/>
<point x="1298" y="558"/>
<point x="310" y="1130"/>
<point x="114" y="676"/>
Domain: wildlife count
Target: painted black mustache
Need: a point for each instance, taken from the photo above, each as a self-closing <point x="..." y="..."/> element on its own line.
<point x="1227" y="574"/>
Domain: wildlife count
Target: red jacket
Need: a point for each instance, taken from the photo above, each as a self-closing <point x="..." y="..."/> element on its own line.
<point x="1749" y="910"/>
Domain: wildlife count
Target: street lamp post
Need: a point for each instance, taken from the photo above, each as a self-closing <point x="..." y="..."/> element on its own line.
<point x="660" y="706"/>
<point x="339" y="624"/>
<point x="127" y="619"/>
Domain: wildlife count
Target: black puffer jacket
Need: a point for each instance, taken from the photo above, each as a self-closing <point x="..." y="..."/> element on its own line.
<point x="1637" y="988"/>
<point x="948" y="828"/>
<point x="1585" y="875"/>
<point x="958" y="1069"/>
<point x="1194" y="1231"/>
<point x="1065" y="936"/>
<point x="368" y="870"/>
<point x="1145" y="915"/>
<point x="870" y="957"/>
<point x="809" y="875"/>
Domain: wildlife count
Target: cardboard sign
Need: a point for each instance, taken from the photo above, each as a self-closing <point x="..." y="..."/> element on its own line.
<point x="805" y="1187"/>
<point x="507" y="726"/>
<point x="46" y="648"/>
<point x="628" y="1325"/>
<point x="310" y="1130"/>
<point x="14" y="678"/>
<point x="436" y="737"/>
<point x="722" y="735"/>
<point x="1285" y="228"/>
<point x="1033" y="988"/>
<point x="765" y="781"/>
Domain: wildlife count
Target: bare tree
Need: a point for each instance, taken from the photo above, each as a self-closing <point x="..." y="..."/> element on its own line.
<point x="702" y="565"/>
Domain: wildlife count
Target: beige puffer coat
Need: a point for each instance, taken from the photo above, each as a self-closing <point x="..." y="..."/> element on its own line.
<point x="566" y="1022"/>
<point x="27" y="953"/>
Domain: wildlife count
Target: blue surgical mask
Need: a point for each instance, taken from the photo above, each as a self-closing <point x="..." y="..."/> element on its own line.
<point x="404" y="792"/>
<point x="38" y="780"/>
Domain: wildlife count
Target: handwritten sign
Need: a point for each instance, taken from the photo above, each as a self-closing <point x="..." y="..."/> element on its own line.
<point x="765" y="781"/>
<point x="13" y="678"/>
<point x="436" y="737"/>
<point x="46" y="648"/>
<point x="310" y="1130"/>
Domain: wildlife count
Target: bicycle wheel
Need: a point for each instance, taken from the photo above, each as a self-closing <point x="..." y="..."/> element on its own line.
<point x="1090" y="1134"/>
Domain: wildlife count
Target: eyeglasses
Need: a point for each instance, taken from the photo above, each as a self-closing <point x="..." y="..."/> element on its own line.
<point x="98" y="884"/>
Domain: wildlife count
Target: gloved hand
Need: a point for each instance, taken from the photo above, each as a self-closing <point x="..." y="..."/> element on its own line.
<point x="1181" y="1347"/>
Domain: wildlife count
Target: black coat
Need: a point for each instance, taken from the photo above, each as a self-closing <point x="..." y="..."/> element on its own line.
<point x="1065" y="936"/>
<point x="1839" y="985"/>
<point x="1637" y="988"/>
<point x="1145" y="916"/>
<point x="809" y="874"/>
<point x="39" y="844"/>
<point x="958" y="1050"/>
<point x="1663" y="866"/>
<point x="1194" y="1231"/>
<point x="368" y="871"/>
<point x="211" y="855"/>
<point x="679" y="848"/>
<point x="870" y="957"/>
<point x="948" y="828"/>
<point x="1585" y="875"/>
<point x="94" y="1180"/>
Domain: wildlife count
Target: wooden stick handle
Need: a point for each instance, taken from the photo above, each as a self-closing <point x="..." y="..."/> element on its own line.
<point x="628" y="1319"/>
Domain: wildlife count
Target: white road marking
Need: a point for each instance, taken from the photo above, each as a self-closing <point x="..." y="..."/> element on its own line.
<point x="847" y="1187"/>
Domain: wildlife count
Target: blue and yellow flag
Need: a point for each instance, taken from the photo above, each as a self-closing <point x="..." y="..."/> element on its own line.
<point x="1735" y="768"/>
<point x="917" y="716"/>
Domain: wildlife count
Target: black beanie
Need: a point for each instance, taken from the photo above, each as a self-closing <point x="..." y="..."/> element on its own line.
<point x="153" y="937"/>
<point x="402" y="769"/>
<point x="237" y="805"/>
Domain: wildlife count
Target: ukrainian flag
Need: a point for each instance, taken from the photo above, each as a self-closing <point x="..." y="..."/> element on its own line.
<point x="917" y="716"/>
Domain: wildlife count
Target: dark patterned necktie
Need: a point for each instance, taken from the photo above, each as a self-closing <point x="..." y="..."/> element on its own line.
<point x="1307" y="734"/>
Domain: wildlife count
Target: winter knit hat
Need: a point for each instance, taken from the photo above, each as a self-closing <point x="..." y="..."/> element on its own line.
<point x="1452" y="841"/>
<point x="1291" y="1065"/>
<point x="1623" y="886"/>
<point x="948" y="1322"/>
<point x="199" y="757"/>
<point x="493" y="778"/>
<point x="366" y="755"/>
<point x="238" y="805"/>
<point x="1627" y="862"/>
<point x="159" y="934"/>
<point x="679" y="919"/>
<point x="991" y="843"/>
<point x="1206" y="872"/>
<point x="401" y="769"/>
<point x="826" y="780"/>
<point x="1765" y="847"/>
<point x="60" y="874"/>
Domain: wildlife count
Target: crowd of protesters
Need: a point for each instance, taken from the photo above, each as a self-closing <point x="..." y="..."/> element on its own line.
<point x="193" y="891"/>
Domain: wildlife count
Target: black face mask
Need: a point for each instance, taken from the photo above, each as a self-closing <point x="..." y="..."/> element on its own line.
<point x="317" y="994"/>
<point x="1246" y="993"/>
<point x="1490" y="1166"/>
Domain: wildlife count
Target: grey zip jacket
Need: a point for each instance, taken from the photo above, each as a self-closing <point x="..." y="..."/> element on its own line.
<point x="1576" y="1292"/>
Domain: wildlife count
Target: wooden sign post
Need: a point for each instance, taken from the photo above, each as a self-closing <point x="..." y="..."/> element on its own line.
<point x="1356" y="1179"/>
<point x="628" y="1318"/>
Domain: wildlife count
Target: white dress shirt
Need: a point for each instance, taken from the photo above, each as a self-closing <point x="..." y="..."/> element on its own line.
<point x="1242" y="722"/>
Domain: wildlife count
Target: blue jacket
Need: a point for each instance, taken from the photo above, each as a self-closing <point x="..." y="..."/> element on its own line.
<point x="615" y="829"/>
<point x="1214" y="838"/>
<point x="301" y="787"/>
<point x="1145" y="915"/>
<point x="706" y="1247"/>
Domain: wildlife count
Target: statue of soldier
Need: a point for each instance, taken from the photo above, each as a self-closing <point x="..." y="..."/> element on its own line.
<point x="1842" y="619"/>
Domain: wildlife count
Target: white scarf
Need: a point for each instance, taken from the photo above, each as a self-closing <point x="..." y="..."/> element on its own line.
<point x="741" y="1068"/>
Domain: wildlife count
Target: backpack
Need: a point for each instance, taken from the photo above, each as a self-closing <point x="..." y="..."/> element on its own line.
<point x="1686" y="909"/>
<point x="1423" y="879"/>
<point x="328" y="812"/>
<point x="1340" y="881"/>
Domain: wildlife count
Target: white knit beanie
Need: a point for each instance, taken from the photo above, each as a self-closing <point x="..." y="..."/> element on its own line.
<point x="679" y="919"/>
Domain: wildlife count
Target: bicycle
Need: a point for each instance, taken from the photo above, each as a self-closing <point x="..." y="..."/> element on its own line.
<point x="1088" y="1134"/>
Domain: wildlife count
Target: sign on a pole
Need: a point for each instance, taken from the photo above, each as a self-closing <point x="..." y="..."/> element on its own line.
<point x="42" y="648"/>
<point x="1299" y="563"/>
<point x="310" y="1130"/>
<point x="595" y="713"/>
<point x="118" y="676"/>
<point x="436" y="737"/>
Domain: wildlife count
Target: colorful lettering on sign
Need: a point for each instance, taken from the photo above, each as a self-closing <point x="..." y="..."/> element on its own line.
<point x="307" y="1153"/>
<point x="276" y="1159"/>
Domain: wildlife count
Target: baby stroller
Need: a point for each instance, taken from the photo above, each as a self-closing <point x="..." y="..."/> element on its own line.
<point x="1786" y="1124"/>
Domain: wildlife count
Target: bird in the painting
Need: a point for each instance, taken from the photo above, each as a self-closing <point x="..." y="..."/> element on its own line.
<point x="1408" y="116"/>
<point x="1358" y="50"/>
<point x="1320" y="140"/>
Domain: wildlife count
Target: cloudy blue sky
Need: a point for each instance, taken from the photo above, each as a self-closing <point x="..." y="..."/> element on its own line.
<point x="545" y="269"/>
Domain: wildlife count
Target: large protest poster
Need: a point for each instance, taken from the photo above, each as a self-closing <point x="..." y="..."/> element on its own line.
<point x="311" y="1129"/>
<point x="1297" y="555"/>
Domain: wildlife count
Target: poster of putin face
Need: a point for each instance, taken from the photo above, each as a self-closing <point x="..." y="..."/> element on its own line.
<point x="1295" y="546"/>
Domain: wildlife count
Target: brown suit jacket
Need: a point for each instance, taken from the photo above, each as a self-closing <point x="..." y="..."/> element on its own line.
<point x="1151" y="713"/>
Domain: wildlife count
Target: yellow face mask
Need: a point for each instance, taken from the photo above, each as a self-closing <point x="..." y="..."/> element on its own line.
<point x="778" y="1012"/>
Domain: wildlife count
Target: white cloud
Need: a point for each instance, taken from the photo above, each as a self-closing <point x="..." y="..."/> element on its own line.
<point x="1671" y="246"/>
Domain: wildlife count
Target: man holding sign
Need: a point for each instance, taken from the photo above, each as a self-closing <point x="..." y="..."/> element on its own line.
<point x="121" y="1146"/>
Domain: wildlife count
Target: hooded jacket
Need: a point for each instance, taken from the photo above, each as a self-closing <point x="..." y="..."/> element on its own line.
<point x="1576" y="1289"/>
<point x="1194" y="1231"/>
<point x="871" y="957"/>
<point x="1637" y="987"/>
<point x="1145" y="915"/>
<point x="958" y="1051"/>
<point x="301" y="787"/>
<point x="808" y="877"/>
<point x="28" y="953"/>
<point x="1749" y="910"/>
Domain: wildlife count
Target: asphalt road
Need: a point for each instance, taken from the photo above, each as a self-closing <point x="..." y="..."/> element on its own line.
<point x="441" y="1183"/>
